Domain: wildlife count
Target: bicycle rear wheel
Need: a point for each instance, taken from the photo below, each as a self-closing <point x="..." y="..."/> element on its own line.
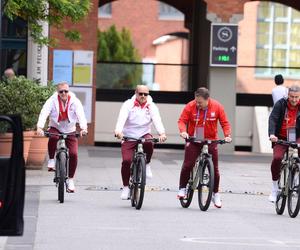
<point x="186" y="202"/>
<point x="139" y="182"/>
<point x="281" y="197"/>
<point x="293" y="195"/>
<point x="62" y="162"/>
<point x="206" y="183"/>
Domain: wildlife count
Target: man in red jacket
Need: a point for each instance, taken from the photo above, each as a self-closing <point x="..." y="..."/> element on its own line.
<point x="200" y="118"/>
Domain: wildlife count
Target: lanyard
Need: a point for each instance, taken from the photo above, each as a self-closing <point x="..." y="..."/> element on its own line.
<point x="204" y="119"/>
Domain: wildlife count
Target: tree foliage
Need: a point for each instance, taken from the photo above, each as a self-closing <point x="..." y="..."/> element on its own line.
<point x="55" y="12"/>
<point x="117" y="46"/>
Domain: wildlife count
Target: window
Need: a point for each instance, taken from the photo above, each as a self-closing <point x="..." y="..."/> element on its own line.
<point x="105" y="10"/>
<point x="14" y="45"/>
<point x="167" y="12"/>
<point x="278" y="40"/>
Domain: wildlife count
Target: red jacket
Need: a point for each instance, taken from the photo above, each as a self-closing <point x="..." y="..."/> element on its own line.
<point x="215" y="112"/>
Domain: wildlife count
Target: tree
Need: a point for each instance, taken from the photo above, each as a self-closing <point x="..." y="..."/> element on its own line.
<point x="115" y="46"/>
<point x="55" y="12"/>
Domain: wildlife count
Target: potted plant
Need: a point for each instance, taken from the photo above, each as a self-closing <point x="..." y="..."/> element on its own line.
<point x="20" y="96"/>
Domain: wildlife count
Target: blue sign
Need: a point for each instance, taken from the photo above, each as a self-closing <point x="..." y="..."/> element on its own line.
<point x="62" y="66"/>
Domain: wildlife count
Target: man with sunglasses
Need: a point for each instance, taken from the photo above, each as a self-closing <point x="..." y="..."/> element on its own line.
<point x="135" y="119"/>
<point x="64" y="110"/>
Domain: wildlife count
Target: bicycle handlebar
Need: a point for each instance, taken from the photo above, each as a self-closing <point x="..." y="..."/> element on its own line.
<point x="61" y="135"/>
<point x="126" y="138"/>
<point x="288" y="143"/>
<point x="193" y="139"/>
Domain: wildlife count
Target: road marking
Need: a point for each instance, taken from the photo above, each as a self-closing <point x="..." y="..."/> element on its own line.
<point x="258" y="242"/>
<point x="116" y="228"/>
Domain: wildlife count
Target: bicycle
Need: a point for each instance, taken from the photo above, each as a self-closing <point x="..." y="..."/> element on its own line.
<point x="289" y="180"/>
<point x="137" y="181"/>
<point x="201" y="177"/>
<point x="62" y="162"/>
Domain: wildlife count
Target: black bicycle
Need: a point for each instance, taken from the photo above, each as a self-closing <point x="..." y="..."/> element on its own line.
<point x="201" y="177"/>
<point x="137" y="181"/>
<point x="61" y="163"/>
<point x="289" y="180"/>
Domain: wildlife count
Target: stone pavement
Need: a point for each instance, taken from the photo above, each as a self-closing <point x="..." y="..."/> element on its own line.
<point x="99" y="170"/>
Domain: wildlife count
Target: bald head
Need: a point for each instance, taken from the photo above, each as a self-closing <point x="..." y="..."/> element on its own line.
<point x="141" y="93"/>
<point x="9" y="73"/>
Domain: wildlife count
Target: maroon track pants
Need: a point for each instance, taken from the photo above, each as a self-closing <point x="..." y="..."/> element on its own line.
<point x="278" y="153"/>
<point x="192" y="151"/>
<point x="127" y="148"/>
<point x="72" y="144"/>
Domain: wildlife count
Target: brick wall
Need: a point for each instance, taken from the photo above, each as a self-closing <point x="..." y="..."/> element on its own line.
<point x="145" y="14"/>
<point x="88" y="30"/>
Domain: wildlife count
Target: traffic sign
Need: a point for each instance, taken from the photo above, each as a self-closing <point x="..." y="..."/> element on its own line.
<point x="223" y="45"/>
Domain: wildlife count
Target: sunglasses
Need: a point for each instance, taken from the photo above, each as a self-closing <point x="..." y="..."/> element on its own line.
<point x="63" y="91"/>
<point x="143" y="94"/>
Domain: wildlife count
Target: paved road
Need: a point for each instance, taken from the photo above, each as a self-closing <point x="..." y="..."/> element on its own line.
<point x="95" y="217"/>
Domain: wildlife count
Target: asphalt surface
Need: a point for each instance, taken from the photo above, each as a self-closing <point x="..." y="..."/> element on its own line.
<point x="94" y="217"/>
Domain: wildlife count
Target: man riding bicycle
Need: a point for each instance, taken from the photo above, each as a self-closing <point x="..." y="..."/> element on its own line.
<point x="135" y="119"/>
<point x="64" y="110"/>
<point x="200" y="118"/>
<point x="284" y="121"/>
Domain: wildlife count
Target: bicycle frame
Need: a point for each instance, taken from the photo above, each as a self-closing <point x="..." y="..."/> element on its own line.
<point x="290" y="158"/>
<point x="289" y="166"/>
<point x="137" y="180"/>
<point x="62" y="155"/>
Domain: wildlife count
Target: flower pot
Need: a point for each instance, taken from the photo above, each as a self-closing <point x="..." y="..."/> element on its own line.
<point x="37" y="152"/>
<point x="6" y="143"/>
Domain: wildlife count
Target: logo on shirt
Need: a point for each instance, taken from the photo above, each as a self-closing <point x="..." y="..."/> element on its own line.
<point x="213" y="114"/>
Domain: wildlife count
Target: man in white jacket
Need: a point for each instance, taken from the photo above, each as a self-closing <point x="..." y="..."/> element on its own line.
<point x="135" y="119"/>
<point x="64" y="110"/>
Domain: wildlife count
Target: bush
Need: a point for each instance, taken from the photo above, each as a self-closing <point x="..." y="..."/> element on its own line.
<point x="115" y="46"/>
<point x="25" y="97"/>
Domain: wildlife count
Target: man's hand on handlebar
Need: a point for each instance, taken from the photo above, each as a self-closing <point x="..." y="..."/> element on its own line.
<point x="184" y="135"/>
<point x="228" y="139"/>
<point x="273" y="138"/>
<point x="83" y="132"/>
<point x="162" y="137"/>
<point x="119" y="135"/>
<point x="40" y="132"/>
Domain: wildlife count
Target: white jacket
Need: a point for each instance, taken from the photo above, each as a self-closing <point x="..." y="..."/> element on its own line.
<point x="134" y="121"/>
<point x="75" y="114"/>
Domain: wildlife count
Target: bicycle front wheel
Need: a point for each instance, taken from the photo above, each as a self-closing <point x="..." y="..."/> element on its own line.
<point x="206" y="183"/>
<point x="62" y="162"/>
<point x="293" y="195"/>
<point x="139" y="182"/>
<point x="281" y="197"/>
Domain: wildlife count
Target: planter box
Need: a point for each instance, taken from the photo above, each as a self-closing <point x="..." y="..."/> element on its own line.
<point x="37" y="152"/>
<point x="6" y="143"/>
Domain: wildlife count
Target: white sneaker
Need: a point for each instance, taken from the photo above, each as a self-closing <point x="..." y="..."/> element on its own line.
<point x="181" y="193"/>
<point x="216" y="199"/>
<point x="148" y="171"/>
<point x="274" y="192"/>
<point x="51" y="165"/>
<point x="71" y="186"/>
<point x="273" y="196"/>
<point x="125" y="193"/>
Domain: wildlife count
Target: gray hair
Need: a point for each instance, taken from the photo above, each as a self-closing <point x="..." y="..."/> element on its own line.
<point x="294" y="88"/>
